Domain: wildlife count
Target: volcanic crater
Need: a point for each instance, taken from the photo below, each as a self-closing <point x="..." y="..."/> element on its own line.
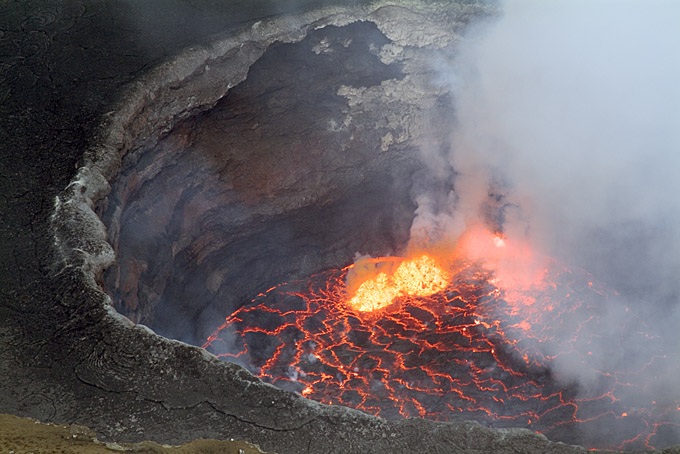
<point x="305" y="163"/>
<point x="279" y="162"/>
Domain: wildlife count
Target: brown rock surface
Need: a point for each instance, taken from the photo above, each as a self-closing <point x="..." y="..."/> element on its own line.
<point x="25" y="435"/>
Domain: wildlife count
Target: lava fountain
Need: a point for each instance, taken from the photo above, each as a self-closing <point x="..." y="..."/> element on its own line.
<point x="420" y="276"/>
<point x="468" y="333"/>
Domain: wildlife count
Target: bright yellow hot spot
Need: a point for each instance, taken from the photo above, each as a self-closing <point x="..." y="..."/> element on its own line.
<point x="420" y="277"/>
<point x="374" y="294"/>
<point x="417" y="277"/>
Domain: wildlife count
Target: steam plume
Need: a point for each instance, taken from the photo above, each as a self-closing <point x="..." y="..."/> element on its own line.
<point x="568" y="135"/>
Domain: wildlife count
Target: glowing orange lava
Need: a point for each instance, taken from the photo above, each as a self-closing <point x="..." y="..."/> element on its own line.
<point x="466" y="333"/>
<point x="421" y="276"/>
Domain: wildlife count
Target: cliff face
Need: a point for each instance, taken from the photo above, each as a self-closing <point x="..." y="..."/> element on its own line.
<point x="106" y="106"/>
<point x="305" y="163"/>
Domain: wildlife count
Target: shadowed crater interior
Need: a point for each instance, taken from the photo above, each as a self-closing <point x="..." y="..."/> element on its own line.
<point x="298" y="168"/>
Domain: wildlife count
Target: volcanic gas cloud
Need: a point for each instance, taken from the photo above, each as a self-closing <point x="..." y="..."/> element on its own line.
<point x="563" y="159"/>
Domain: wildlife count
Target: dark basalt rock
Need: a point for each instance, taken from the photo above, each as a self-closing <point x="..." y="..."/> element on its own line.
<point x="281" y="179"/>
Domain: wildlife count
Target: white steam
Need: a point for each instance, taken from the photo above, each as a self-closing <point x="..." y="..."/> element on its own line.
<point x="576" y="106"/>
<point x="571" y="111"/>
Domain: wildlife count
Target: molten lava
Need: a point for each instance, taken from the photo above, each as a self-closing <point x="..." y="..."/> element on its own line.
<point x="466" y="335"/>
<point x="420" y="276"/>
